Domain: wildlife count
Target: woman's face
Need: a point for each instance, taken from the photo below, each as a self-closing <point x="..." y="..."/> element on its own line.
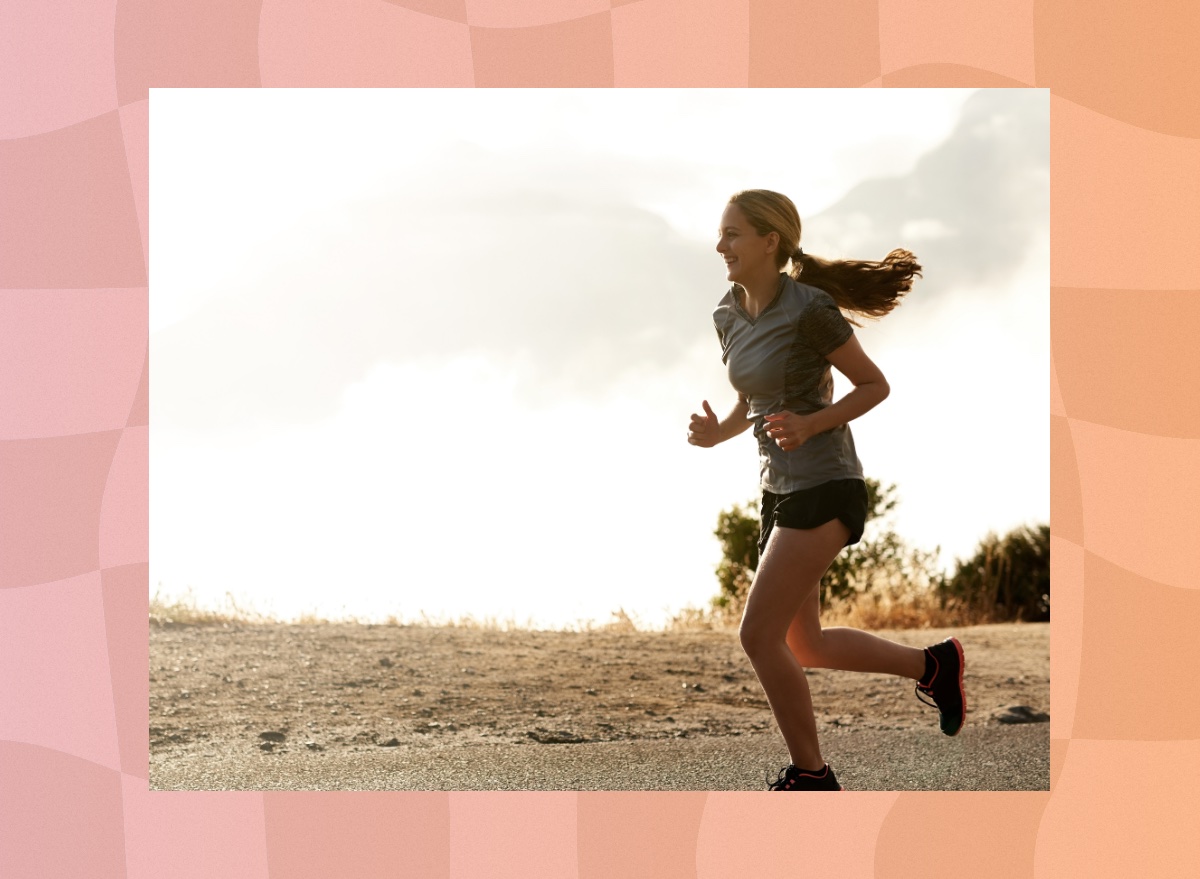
<point x="747" y="254"/>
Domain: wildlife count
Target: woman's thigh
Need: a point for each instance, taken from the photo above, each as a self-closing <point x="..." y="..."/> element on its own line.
<point x="788" y="574"/>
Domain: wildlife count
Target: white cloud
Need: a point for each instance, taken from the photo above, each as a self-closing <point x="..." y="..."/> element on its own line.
<point x="927" y="229"/>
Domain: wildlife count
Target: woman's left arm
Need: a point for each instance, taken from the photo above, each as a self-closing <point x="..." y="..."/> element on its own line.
<point x="790" y="430"/>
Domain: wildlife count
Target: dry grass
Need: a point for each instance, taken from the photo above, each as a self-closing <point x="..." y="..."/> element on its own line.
<point x="880" y="609"/>
<point x="902" y="608"/>
<point x="185" y="610"/>
<point x="695" y="619"/>
<point x="470" y="621"/>
<point x="874" y="610"/>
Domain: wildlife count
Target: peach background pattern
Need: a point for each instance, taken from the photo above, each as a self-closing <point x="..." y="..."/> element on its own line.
<point x="1125" y="202"/>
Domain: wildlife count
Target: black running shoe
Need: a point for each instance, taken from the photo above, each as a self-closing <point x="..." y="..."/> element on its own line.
<point x="791" y="778"/>
<point x="945" y="684"/>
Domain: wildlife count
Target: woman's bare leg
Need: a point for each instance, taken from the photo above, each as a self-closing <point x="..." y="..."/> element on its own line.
<point x="848" y="649"/>
<point x="788" y="573"/>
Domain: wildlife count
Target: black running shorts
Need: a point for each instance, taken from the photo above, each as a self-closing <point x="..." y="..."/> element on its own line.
<point x="844" y="499"/>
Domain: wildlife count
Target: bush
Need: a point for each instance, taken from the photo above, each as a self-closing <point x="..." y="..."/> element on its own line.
<point x="1008" y="578"/>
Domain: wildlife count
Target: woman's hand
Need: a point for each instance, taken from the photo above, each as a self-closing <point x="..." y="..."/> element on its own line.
<point x="705" y="430"/>
<point x="789" y="430"/>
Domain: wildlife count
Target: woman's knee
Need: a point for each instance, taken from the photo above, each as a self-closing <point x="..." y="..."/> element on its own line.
<point x="757" y="638"/>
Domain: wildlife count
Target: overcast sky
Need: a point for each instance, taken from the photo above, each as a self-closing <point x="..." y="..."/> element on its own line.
<point x="435" y="351"/>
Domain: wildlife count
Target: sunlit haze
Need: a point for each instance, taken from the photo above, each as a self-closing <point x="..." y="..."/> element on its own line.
<point x="434" y="352"/>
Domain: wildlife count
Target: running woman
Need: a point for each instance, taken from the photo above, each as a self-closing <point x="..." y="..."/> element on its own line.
<point x="779" y="333"/>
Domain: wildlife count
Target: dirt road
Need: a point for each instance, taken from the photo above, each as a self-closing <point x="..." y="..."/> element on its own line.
<point x="351" y="707"/>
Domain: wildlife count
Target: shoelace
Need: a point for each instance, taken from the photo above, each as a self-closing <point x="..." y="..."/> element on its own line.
<point x="928" y="691"/>
<point x="786" y="780"/>
<point x="782" y="782"/>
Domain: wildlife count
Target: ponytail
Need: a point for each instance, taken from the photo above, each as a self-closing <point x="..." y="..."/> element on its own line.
<point x="869" y="289"/>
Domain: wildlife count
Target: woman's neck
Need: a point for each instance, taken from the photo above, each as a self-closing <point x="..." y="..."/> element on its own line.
<point x="759" y="292"/>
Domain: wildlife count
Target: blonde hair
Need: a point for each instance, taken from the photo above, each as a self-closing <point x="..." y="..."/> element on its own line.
<point x="870" y="289"/>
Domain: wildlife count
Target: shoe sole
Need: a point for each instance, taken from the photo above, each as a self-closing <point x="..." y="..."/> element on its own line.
<point x="962" y="664"/>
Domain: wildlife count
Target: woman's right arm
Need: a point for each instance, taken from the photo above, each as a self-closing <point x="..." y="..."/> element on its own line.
<point x="707" y="430"/>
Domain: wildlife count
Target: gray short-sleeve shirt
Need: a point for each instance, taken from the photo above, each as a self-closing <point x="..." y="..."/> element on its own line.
<point x="777" y="360"/>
